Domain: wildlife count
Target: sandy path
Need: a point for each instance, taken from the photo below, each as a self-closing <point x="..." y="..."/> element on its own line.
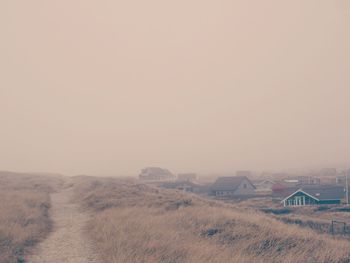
<point x="67" y="243"/>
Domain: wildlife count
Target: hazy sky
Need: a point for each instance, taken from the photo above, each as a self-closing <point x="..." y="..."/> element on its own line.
<point x="108" y="87"/>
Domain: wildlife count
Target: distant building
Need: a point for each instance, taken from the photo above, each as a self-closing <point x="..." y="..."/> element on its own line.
<point x="302" y="180"/>
<point x="282" y="189"/>
<point x="264" y="186"/>
<point x="328" y="172"/>
<point x="185" y="186"/>
<point x="156" y="174"/>
<point x="315" y="195"/>
<point x="191" y="177"/>
<point x="341" y="179"/>
<point x="287" y="186"/>
<point x="291" y="182"/>
<point x="308" y="179"/>
<point x="233" y="186"/>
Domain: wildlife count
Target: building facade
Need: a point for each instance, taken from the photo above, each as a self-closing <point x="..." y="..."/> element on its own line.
<point x="233" y="186"/>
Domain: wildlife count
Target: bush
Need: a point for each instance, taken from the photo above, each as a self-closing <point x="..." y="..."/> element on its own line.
<point x="281" y="211"/>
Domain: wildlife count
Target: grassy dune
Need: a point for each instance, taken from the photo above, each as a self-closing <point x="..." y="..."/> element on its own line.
<point x="137" y="223"/>
<point x="24" y="220"/>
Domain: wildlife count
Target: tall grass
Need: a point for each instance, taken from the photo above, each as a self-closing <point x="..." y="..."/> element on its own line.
<point x="24" y="219"/>
<point x="136" y="223"/>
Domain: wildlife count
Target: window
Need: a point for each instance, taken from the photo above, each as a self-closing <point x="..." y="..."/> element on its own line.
<point x="244" y="185"/>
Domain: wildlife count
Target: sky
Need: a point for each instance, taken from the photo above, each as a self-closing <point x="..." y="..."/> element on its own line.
<point x="110" y="87"/>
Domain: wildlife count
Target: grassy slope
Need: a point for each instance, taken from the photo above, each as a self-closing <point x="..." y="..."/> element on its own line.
<point x="24" y="205"/>
<point x="136" y="223"/>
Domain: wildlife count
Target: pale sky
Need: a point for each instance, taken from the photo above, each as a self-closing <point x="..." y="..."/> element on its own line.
<point x="109" y="87"/>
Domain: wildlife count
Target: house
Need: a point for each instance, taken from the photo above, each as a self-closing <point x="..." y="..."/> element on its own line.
<point x="315" y="195"/>
<point x="187" y="177"/>
<point x="291" y="182"/>
<point x="309" y="180"/>
<point x="283" y="189"/>
<point x="156" y="174"/>
<point x="264" y="186"/>
<point x="185" y="186"/>
<point x="328" y="172"/>
<point x="233" y="186"/>
<point x="341" y="179"/>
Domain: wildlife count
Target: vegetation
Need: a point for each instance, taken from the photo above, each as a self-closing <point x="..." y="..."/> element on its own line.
<point x="24" y="218"/>
<point x="138" y="223"/>
<point x="274" y="211"/>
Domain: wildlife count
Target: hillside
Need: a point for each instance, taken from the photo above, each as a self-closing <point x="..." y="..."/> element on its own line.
<point x="134" y="222"/>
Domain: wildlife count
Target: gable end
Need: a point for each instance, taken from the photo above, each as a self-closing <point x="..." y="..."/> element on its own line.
<point x="299" y="191"/>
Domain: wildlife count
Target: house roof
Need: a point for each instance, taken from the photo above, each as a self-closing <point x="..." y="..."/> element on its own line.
<point x="321" y="192"/>
<point x="325" y="192"/>
<point x="229" y="183"/>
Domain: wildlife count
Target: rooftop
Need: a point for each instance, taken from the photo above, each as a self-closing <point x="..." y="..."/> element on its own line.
<point x="228" y="183"/>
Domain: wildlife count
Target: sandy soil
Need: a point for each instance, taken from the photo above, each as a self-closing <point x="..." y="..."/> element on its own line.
<point x="67" y="243"/>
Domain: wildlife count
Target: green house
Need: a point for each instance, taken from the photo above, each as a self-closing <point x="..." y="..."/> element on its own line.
<point x="315" y="195"/>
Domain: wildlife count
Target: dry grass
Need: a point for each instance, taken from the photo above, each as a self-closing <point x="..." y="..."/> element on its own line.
<point x="137" y="223"/>
<point x="317" y="218"/>
<point x="24" y="220"/>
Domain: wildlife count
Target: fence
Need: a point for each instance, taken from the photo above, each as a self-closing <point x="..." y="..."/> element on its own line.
<point x="338" y="227"/>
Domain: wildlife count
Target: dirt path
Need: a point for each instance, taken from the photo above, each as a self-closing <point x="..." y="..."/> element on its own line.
<point x="67" y="242"/>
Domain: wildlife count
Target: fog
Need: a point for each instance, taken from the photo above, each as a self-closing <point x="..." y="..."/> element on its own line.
<point x="108" y="87"/>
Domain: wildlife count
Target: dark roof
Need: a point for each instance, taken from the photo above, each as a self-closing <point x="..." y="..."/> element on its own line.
<point x="324" y="192"/>
<point x="229" y="183"/>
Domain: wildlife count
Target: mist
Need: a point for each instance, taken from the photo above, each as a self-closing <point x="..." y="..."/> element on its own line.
<point x="109" y="87"/>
